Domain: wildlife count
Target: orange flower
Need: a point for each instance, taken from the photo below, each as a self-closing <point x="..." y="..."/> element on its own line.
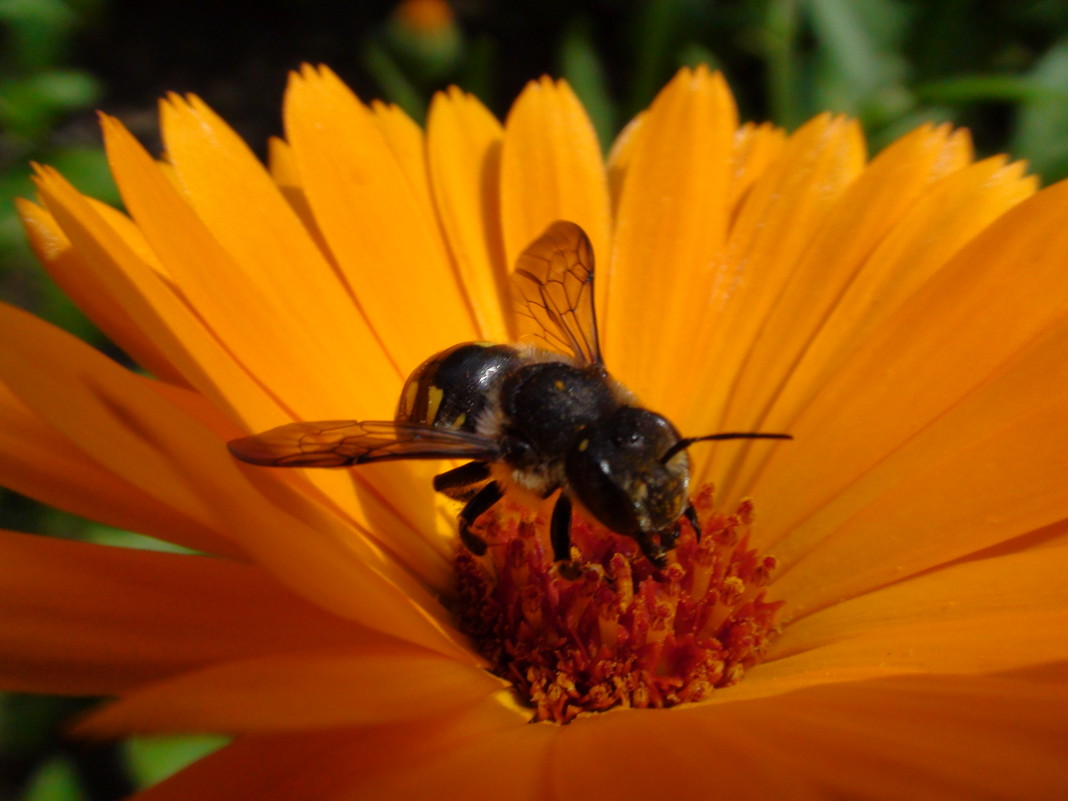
<point x="906" y="319"/>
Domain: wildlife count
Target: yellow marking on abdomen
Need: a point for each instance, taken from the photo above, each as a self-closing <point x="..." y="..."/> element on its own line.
<point x="410" y="392"/>
<point x="434" y="396"/>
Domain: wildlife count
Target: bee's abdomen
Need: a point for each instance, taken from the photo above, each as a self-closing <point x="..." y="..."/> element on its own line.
<point x="451" y="389"/>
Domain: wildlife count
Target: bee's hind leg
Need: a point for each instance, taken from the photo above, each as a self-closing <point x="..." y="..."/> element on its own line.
<point x="462" y="483"/>
<point x="475" y="508"/>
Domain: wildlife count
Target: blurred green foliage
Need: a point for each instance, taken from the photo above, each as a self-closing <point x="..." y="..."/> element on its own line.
<point x="999" y="67"/>
<point x="38" y="91"/>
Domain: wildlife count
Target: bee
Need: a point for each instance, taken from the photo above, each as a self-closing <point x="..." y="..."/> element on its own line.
<point x="540" y="420"/>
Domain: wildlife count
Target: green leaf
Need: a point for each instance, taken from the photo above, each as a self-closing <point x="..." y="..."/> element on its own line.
<point x="784" y="81"/>
<point x="87" y="168"/>
<point x="984" y="88"/>
<point x="55" y="780"/>
<point x="153" y="759"/>
<point x="654" y="28"/>
<point x="581" y="66"/>
<point x="37" y="31"/>
<point x="396" y="85"/>
<point x="859" y="69"/>
<point x="28" y="106"/>
<point x="1042" y="125"/>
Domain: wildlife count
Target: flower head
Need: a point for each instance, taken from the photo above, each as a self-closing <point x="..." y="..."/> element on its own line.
<point x="905" y="318"/>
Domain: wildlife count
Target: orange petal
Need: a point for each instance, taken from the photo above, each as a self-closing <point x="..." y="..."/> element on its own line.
<point x="262" y="325"/>
<point x="987" y="471"/>
<point x="464" y="153"/>
<point x="776" y="312"/>
<point x="84" y="286"/>
<point x="620" y="157"/>
<point x="131" y="430"/>
<point x="405" y="138"/>
<point x="283" y="166"/>
<point x="93" y="620"/>
<point x="940" y="622"/>
<point x="392" y="503"/>
<point x="486" y="744"/>
<point x="952" y="213"/>
<point x="756" y="147"/>
<point x="671" y="223"/>
<point x="230" y="385"/>
<point x="551" y="169"/>
<point x="941" y="222"/>
<point x="684" y="754"/>
<point x="816" y="278"/>
<point x="53" y="374"/>
<point x="509" y="764"/>
<point x="153" y="305"/>
<point x="246" y="214"/>
<point x="906" y="737"/>
<point x="284" y="172"/>
<point x="774" y="226"/>
<point x="378" y="229"/>
<point x="38" y="461"/>
<point x="943" y="737"/>
<point x="940" y="436"/>
<point x="298" y="691"/>
<point x="939" y="737"/>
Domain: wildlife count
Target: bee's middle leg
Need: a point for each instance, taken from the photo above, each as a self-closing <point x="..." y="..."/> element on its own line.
<point x="471" y="484"/>
<point x="475" y="508"/>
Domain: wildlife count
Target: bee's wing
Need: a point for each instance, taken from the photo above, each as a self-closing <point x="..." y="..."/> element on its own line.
<point x="340" y="443"/>
<point x="554" y="281"/>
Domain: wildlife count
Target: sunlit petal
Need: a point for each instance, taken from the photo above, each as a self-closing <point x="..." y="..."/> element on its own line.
<point x="551" y="169"/>
<point x="377" y="228"/>
<point x="671" y="223"/>
<point x="464" y="153"/>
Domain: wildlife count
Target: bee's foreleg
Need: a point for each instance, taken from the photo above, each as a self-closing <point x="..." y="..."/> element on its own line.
<point x="651" y="546"/>
<point x="691" y="514"/>
<point x="462" y="483"/>
<point x="475" y="508"/>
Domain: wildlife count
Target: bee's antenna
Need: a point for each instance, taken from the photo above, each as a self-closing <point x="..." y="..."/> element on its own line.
<point x="686" y="443"/>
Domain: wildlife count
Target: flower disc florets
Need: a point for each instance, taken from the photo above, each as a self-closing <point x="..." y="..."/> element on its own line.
<point x="622" y="633"/>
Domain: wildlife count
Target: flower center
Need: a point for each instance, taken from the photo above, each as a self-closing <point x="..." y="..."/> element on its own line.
<point x="622" y="633"/>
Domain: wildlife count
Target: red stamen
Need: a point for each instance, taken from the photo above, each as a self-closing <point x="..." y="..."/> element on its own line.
<point x="621" y="632"/>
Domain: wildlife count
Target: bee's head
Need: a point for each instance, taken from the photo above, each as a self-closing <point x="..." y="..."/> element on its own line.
<point x="623" y="472"/>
